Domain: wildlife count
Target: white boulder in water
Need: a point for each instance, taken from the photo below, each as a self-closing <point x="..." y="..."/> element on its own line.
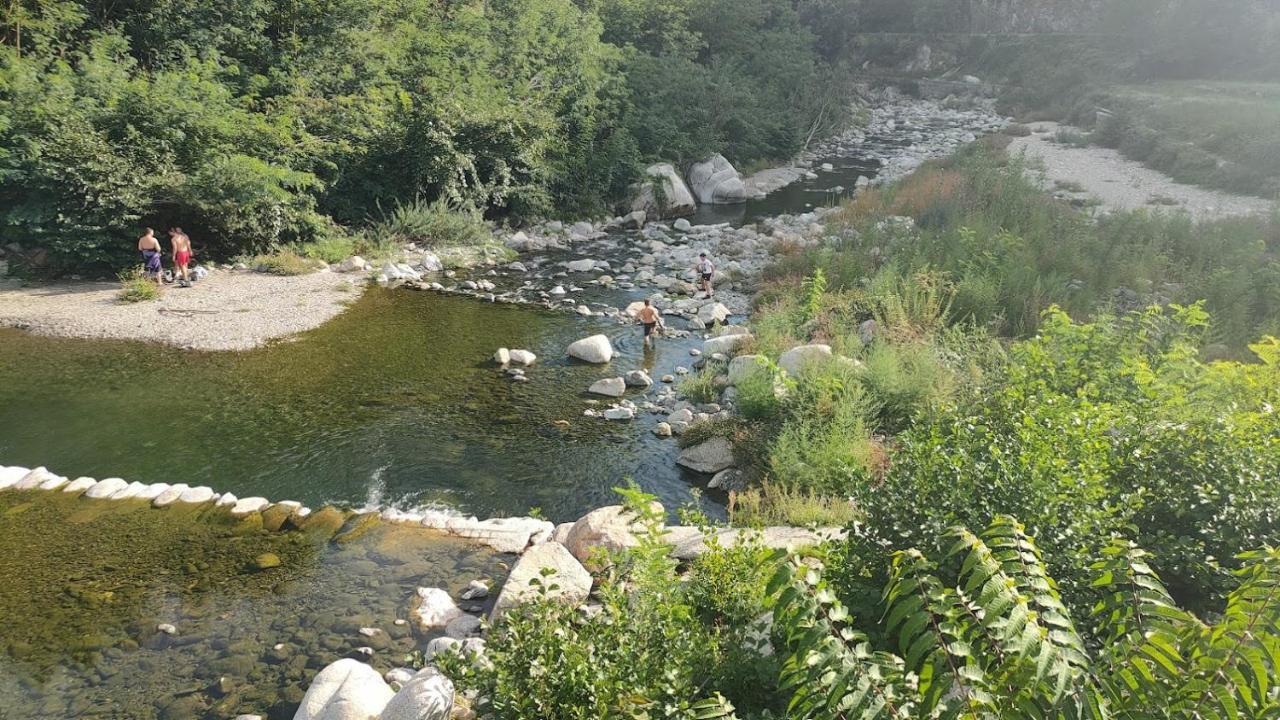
<point x="9" y="476"/>
<point x="715" y="181"/>
<point x="170" y="496"/>
<point x="502" y="356"/>
<point x="595" y="349"/>
<point x="523" y="357"/>
<point x="345" y="690"/>
<point x="79" y="485"/>
<point x="609" y="387"/>
<point x="433" y="608"/>
<point x="197" y="495"/>
<point x="709" y="457"/>
<point x="428" y="695"/>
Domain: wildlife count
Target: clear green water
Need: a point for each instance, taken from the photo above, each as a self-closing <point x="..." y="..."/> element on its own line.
<point x="86" y="583"/>
<point x="395" y="402"/>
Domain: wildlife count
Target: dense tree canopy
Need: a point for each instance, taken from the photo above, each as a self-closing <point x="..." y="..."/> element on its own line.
<point x="263" y="122"/>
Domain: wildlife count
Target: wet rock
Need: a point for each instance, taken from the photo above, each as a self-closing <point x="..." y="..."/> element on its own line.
<point x="275" y="517"/>
<point x="620" y="413"/>
<point x="571" y="581"/>
<point x="731" y="480"/>
<point x="167" y="629"/>
<point x="183" y="708"/>
<point x="709" y="457"/>
<point x="475" y="590"/>
<point x="638" y="379"/>
<point x="345" y="690"/>
<point x="266" y="561"/>
<point x="662" y="430"/>
<point x="463" y="627"/>
<point x="432" y="608"/>
<point x="502" y="357"/>
<point x="595" y="349"/>
<point x="523" y="357"/>
<point x="249" y="505"/>
<point x="426" y="696"/>
<point x="609" y="387"/>
<point x="356" y="527"/>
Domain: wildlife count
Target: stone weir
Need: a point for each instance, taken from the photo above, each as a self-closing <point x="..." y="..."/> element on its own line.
<point x="571" y="551"/>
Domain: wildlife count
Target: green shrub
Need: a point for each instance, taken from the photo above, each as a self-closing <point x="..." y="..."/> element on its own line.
<point x="645" y="653"/>
<point x="758" y="397"/>
<point x="331" y="250"/>
<point x="136" y="287"/>
<point x="828" y="455"/>
<point x="282" y="262"/>
<point x="902" y="381"/>
<point x="1097" y="429"/>
<point x="703" y="386"/>
<point x="776" y="504"/>
<point x="432" y="224"/>
<point x="1071" y="136"/>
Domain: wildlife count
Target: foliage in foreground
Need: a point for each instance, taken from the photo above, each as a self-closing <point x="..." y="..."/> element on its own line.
<point x="136" y="287"/>
<point x="984" y="633"/>
<point x="1093" y="430"/>
<point x="653" y="647"/>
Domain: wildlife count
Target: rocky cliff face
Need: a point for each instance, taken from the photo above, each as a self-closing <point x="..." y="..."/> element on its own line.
<point x="1034" y="16"/>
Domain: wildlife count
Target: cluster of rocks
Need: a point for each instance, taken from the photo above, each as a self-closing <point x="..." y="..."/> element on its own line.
<point x="559" y="568"/>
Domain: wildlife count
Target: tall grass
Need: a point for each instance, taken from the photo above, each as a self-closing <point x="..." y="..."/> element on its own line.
<point x="136" y="287"/>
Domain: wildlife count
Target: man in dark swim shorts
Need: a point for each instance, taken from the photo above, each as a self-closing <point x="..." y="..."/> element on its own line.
<point x="651" y="319"/>
<point x="149" y="246"/>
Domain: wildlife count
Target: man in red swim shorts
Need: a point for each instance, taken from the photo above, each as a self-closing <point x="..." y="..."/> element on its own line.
<point x="181" y="254"/>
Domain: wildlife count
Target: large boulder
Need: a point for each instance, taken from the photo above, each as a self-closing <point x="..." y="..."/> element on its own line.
<point x="345" y="690"/>
<point x="713" y="313"/>
<point x="595" y="349"/>
<point x="106" y="488"/>
<point x="796" y="359"/>
<point x="663" y="194"/>
<point x="715" y="181"/>
<point x="428" y="695"/>
<point x="567" y="582"/>
<point x="9" y="476"/>
<point x="607" y="528"/>
<point x="709" y="457"/>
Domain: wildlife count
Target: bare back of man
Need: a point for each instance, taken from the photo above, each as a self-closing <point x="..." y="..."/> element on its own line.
<point x="149" y="246"/>
<point x="181" y="252"/>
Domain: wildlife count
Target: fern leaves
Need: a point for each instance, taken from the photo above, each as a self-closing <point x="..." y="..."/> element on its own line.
<point x="996" y="641"/>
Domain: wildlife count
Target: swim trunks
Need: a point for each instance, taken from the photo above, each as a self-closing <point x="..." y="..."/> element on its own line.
<point x="649" y="328"/>
<point x="184" y="257"/>
<point x="706" y="276"/>
<point x="152" y="260"/>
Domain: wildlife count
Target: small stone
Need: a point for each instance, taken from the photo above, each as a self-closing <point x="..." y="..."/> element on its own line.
<point x="266" y="561"/>
<point x="167" y="629"/>
<point x="609" y="387"/>
<point x="662" y="430"/>
<point x="475" y="590"/>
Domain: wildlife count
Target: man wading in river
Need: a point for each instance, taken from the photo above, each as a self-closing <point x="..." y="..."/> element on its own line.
<point x="705" y="269"/>
<point x="651" y="319"/>
<point x="149" y="246"/>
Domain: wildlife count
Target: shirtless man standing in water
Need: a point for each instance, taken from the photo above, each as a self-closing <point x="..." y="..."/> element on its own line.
<point x="181" y="253"/>
<point x="651" y="319"/>
<point x="149" y="246"/>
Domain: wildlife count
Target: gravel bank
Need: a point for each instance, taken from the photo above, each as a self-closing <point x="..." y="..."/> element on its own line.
<point x="227" y="311"/>
<point x="1122" y="184"/>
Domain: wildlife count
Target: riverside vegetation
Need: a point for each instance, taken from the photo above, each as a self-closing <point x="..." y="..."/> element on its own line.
<point x="996" y="374"/>
<point x="257" y="124"/>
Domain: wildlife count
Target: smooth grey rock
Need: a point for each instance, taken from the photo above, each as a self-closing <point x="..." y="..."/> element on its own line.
<point x="715" y="181"/>
<point x="710" y="457"/>
<point x="426" y="696"/>
<point x="572" y="581"/>
<point x="345" y="690"/>
<point x="595" y="349"/>
<point x="638" y="379"/>
<point x="106" y="488"/>
<point x="796" y="359"/>
<point x="674" y="199"/>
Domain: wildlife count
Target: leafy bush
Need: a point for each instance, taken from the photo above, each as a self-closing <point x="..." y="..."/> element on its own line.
<point x="432" y="224"/>
<point x="282" y="262"/>
<point x="1093" y="430"/>
<point x="985" y="630"/>
<point x="645" y="653"/>
<point x="703" y="386"/>
<point x="136" y="287"/>
<point x="331" y="250"/>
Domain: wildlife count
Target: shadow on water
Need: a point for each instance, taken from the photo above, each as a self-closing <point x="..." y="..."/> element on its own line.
<point x="395" y="402"/>
<point x="87" y="584"/>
